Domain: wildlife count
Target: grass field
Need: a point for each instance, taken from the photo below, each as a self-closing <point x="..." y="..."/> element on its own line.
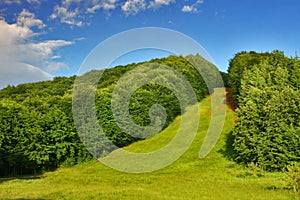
<point x="213" y="177"/>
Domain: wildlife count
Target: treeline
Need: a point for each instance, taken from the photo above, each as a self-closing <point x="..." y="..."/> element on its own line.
<point x="37" y="130"/>
<point x="267" y="87"/>
<point x="36" y="127"/>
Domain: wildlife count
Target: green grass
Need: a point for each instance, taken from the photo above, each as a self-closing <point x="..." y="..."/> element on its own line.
<point x="213" y="177"/>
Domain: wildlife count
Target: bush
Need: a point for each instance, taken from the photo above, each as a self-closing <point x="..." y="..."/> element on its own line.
<point x="292" y="177"/>
<point x="252" y="170"/>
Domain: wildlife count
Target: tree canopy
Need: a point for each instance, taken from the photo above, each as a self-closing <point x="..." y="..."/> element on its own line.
<point x="267" y="131"/>
<point x="37" y="130"/>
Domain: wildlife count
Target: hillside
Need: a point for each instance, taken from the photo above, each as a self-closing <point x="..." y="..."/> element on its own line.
<point x="37" y="119"/>
<point x="214" y="177"/>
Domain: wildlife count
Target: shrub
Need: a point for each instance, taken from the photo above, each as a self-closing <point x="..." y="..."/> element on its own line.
<point x="292" y="177"/>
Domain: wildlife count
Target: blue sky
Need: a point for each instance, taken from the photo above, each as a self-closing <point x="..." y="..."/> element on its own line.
<point x="40" y="39"/>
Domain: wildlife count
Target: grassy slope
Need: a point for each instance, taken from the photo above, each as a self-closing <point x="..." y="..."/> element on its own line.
<point x="213" y="177"/>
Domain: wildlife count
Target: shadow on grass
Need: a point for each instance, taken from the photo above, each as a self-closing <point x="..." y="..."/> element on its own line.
<point x="30" y="199"/>
<point x="228" y="151"/>
<point x="23" y="177"/>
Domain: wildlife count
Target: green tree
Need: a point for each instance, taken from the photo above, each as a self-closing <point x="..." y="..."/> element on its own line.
<point x="267" y="128"/>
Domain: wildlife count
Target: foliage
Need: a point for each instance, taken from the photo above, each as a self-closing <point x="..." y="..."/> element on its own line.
<point x="292" y="177"/>
<point x="267" y="131"/>
<point x="241" y="62"/>
<point x="144" y="97"/>
<point x="37" y="131"/>
<point x="252" y="170"/>
<point x="225" y="78"/>
<point x="213" y="177"/>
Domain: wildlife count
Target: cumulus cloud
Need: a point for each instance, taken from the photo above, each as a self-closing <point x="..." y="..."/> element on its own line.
<point x="66" y="15"/>
<point x="20" y="55"/>
<point x="192" y="8"/>
<point x="159" y="3"/>
<point x="108" y="4"/>
<point x="101" y="4"/>
<point x="27" y="19"/>
<point x="186" y="8"/>
<point x="132" y="7"/>
<point x="76" y="12"/>
<point x="94" y="8"/>
<point x="72" y="12"/>
<point x="45" y="49"/>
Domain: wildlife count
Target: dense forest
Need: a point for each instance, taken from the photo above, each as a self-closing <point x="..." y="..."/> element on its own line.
<point x="267" y="87"/>
<point x="37" y="129"/>
<point x="36" y="119"/>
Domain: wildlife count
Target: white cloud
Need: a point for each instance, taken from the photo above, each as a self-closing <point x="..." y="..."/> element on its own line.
<point x="34" y="1"/>
<point x="19" y="1"/>
<point x="22" y="59"/>
<point x="27" y="19"/>
<point x="9" y="31"/>
<point x="13" y="73"/>
<point x="72" y="12"/>
<point x="158" y="3"/>
<point x="94" y="8"/>
<point x="101" y="4"/>
<point x="108" y="4"/>
<point x="69" y="2"/>
<point x="12" y="1"/>
<point x="76" y="12"/>
<point x="187" y="8"/>
<point x="54" y="66"/>
<point x="66" y="16"/>
<point x="80" y="39"/>
<point x="45" y="49"/>
<point x="192" y="8"/>
<point x="170" y="22"/>
<point x="55" y="57"/>
<point x="132" y="7"/>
